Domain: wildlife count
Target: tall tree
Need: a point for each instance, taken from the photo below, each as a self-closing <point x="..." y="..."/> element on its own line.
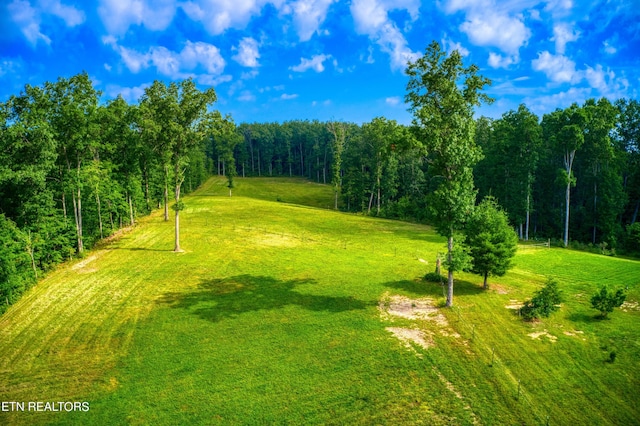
<point x="74" y="104"/>
<point x="442" y="94"/>
<point x="565" y="131"/>
<point x="339" y="133"/>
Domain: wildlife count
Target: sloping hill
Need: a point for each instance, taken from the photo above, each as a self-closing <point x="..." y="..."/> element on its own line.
<point x="287" y="313"/>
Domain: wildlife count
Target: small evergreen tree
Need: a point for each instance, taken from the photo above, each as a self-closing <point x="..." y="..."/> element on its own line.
<point x="544" y="302"/>
<point x="491" y="240"/>
<point x="605" y="300"/>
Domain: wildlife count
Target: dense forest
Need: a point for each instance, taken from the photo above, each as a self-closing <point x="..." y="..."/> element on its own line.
<point x="585" y="157"/>
<point x="75" y="169"/>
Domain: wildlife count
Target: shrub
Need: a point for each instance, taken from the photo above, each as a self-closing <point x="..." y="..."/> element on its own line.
<point x="434" y="277"/>
<point x="544" y="302"/>
<point x="605" y="300"/>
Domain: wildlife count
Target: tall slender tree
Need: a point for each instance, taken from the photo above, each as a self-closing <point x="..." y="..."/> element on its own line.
<point x="442" y="94"/>
<point x="564" y="130"/>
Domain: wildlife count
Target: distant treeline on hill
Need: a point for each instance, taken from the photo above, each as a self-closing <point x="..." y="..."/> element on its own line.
<point x="528" y="164"/>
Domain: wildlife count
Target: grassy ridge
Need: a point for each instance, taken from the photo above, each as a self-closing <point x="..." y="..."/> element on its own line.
<point x="272" y="316"/>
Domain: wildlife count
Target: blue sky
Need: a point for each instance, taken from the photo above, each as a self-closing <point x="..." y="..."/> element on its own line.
<point x="277" y="60"/>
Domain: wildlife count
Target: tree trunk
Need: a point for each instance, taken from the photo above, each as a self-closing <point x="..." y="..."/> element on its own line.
<point x="243" y="165"/>
<point x="324" y="167"/>
<point x="450" y="274"/>
<point x="370" y="202"/>
<point x="301" y="161"/>
<point x="77" y="208"/>
<point x="566" y="215"/>
<point x="99" y="214"/>
<point x="335" y="206"/>
<point x="252" y="162"/>
<point x="635" y="213"/>
<point x="131" y="217"/>
<point x="166" y="193"/>
<point x="177" y="197"/>
<point x="485" y="286"/>
<point x="146" y="187"/>
<point x="318" y="168"/>
<point x="520" y="230"/>
<point x="64" y="206"/>
<point x="526" y="235"/>
<point x="259" y="172"/>
<point x="595" y="210"/>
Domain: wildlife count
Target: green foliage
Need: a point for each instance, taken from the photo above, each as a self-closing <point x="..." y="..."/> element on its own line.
<point x="605" y="301"/>
<point x="442" y="94"/>
<point x="434" y="277"/>
<point x="633" y="237"/>
<point x="544" y="302"/>
<point x="492" y="242"/>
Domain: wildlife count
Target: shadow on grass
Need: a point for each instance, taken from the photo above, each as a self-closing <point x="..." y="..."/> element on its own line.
<point x="426" y="288"/>
<point x="584" y="317"/>
<point x="221" y="298"/>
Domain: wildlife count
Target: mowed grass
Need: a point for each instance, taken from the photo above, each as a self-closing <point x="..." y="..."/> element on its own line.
<point x="272" y="316"/>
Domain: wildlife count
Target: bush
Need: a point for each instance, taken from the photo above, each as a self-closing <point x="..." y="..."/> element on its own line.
<point x="605" y="300"/>
<point x="544" y="302"/>
<point x="434" y="277"/>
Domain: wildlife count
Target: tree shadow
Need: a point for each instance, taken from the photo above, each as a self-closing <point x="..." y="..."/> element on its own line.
<point x="221" y="298"/>
<point x="426" y="288"/>
<point x="583" y="317"/>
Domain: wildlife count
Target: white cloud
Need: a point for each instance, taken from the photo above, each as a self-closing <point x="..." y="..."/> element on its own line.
<point x="315" y="63"/>
<point x="609" y="48"/>
<point x="492" y="24"/>
<point x="28" y="19"/>
<point x="563" y="34"/>
<point x="308" y="15"/>
<point x="117" y="15"/>
<point x="129" y="94"/>
<point x="174" y="64"/>
<point x="71" y="16"/>
<point x="219" y="15"/>
<point x="204" y="54"/>
<point x="499" y="61"/>
<point x="213" y="80"/>
<point x="545" y="104"/>
<point x="248" y="54"/>
<point x="449" y="46"/>
<point x="558" y="68"/>
<point x="493" y="29"/>
<point x="393" y="101"/>
<point x="371" y="18"/>
<point x="287" y="97"/>
<point x="246" y="96"/>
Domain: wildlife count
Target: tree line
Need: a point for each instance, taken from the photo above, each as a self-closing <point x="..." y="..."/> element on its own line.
<point x="570" y="175"/>
<point x="74" y="170"/>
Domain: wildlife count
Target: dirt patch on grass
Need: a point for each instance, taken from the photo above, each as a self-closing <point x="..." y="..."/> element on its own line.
<point x="538" y="334"/>
<point x="412" y="335"/>
<point x="630" y="306"/>
<point x="84" y="262"/>
<point x="497" y="288"/>
<point x="412" y="309"/>
<point x="514" y="304"/>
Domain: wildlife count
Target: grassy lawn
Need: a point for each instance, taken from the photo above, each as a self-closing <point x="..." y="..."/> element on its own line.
<point x="285" y="312"/>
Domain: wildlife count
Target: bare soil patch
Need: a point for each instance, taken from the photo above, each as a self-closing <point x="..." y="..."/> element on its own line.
<point x="538" y="334"/>
<point x="411" y="335"/>
<point x="412" y="309"/>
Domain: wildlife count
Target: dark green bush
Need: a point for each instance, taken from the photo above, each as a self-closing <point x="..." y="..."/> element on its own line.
<point x="544" y="302"/>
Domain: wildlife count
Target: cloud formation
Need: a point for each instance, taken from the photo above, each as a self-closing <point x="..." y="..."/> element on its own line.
<point x="372" y="19"/>
<point x="248" y="54"/>
<point x="315" y="63"/>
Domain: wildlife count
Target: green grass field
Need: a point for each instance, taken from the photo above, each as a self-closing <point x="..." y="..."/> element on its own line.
<point x="287" y="313"/>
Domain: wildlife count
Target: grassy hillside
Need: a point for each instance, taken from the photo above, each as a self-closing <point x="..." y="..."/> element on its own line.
<point x="282" y="312"/>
